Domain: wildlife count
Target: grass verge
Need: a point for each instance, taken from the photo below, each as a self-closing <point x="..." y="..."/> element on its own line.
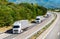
<point x="3" y="29"/>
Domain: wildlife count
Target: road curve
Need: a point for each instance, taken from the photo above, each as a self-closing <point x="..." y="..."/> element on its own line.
<point x="55" y="32"/>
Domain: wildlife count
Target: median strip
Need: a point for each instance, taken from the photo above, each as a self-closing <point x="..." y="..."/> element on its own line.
<point x="43" y="29"/>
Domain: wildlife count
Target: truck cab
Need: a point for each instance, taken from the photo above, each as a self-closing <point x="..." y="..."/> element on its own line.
<point x="16" y="27"/>
<point x="38" y="20"/>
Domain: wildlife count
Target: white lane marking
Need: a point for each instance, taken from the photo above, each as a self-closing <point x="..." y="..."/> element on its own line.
<point x="4" y="35"/>
<point x="58" y="33"/>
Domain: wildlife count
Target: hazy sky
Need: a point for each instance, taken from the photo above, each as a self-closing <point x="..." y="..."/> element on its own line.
<point x="46" y="3"/>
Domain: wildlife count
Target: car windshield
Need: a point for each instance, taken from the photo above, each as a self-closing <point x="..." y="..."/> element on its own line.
<point x="16" y="27"/>
<point x="37" y="19"/>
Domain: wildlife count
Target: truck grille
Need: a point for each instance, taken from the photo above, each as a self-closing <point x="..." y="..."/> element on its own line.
<point x="16" y="31"/>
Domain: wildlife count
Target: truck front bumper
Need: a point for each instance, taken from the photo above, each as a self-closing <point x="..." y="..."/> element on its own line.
<point x="16" y="31"/>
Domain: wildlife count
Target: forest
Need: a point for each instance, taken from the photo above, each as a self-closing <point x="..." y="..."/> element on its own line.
<point x="10" y="12"/>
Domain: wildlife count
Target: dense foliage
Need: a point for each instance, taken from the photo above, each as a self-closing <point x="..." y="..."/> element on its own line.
<point x="10" y="12"/>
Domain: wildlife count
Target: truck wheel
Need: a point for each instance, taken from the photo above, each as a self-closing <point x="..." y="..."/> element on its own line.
<point x="21" y="30"/>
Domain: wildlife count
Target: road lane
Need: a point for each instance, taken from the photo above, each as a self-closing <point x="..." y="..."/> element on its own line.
<point x="14" y="35"/>
<point x="55" y="31"/>
<point x="9" y="34"/>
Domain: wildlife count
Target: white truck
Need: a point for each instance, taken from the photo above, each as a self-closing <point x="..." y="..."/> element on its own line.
<point x="48" y="14"/>
<point x="19" y="25"/>
<point x="39" y="19"/>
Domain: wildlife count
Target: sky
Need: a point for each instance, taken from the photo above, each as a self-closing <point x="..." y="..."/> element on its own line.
<point x="45" y="3"/>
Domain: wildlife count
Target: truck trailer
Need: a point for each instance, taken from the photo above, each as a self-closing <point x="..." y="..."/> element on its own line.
<point x="18" y="26"/>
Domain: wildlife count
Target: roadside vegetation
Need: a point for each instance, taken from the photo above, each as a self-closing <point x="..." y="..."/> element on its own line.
<point x="54" y="9"/>
<point x="10" y="12"/>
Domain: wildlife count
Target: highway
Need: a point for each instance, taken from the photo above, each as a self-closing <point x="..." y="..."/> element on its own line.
<point x="28" y="32"/>
<point x="55" y="32"/>
<point x="31" y="31"/>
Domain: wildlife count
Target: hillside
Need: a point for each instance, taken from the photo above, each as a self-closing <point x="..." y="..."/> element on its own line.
<point x="10" y="12"/>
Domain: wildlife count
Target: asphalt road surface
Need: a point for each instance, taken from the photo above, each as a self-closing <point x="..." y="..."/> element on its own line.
<point x="55" y="32"/>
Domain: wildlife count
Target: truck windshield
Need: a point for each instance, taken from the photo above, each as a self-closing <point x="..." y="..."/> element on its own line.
<point x="37" y="19"/>
<point x="16" y="27"/>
